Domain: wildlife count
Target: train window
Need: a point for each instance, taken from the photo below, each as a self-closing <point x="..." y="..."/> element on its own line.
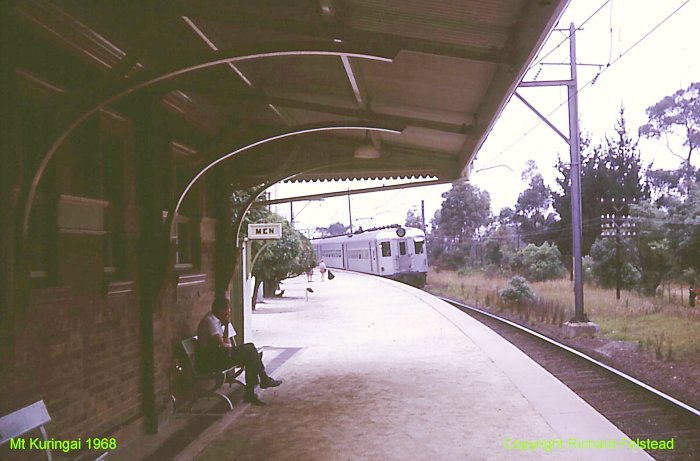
<point x="418" y="246"/>
<point x="402" y="248"/>
<point x="386" y="249"/>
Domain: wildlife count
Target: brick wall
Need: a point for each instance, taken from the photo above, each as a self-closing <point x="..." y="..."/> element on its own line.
<point x="78" y="349"/>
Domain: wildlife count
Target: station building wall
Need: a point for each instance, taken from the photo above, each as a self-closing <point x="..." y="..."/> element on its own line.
<point x="78" y="341"/>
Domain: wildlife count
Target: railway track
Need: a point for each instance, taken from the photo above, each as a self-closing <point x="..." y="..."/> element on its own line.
<point x="639" y="410"/>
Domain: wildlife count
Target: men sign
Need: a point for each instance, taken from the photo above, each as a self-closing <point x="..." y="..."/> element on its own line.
<point x="267" y="231"/>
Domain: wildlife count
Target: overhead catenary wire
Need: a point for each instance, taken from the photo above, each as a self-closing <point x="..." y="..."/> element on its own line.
<point x="590" y="82"/>
<point x="568" y="36"/>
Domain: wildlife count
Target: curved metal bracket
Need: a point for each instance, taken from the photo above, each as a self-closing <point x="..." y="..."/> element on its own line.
<point x="259" y="252"/>
<point x="172" y="213"/>
<point x="365" y="126"/>
<point x="310" y="49"/>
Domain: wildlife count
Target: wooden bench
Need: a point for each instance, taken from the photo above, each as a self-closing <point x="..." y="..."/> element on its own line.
<point x="216" y="378"/>
<point x="28" y="419"/>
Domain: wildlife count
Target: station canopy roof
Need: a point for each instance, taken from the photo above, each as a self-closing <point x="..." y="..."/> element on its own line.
<point x="435" y="73"/>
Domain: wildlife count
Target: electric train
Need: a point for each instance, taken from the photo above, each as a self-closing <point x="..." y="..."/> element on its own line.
<point x="394" y="252"/>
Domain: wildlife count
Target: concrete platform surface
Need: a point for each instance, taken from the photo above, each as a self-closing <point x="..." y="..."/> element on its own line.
<point x="382" y="371"/>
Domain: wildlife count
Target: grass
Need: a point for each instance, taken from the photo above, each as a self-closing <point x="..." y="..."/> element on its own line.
<point x="662" y="325"/>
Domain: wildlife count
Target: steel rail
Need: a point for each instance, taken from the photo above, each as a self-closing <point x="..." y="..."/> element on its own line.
<point x="571" y="350"/>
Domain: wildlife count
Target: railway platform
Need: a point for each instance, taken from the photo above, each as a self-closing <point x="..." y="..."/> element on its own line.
<point x="386" y="371"/>
<point x="374" y="369"/>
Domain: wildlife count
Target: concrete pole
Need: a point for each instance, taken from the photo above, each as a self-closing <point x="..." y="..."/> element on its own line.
<point x="618" y="265"/>
<point x="575" y="153"/>
<point x="422" y="214"/>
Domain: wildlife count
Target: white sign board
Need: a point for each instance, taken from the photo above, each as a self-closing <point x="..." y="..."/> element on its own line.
<point x="268" y="231"/>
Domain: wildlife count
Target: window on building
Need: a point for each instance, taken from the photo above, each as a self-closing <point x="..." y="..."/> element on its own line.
<point x="189" y="214"/>
<point x="183" y="256"/>
<point x="187" y="240"/>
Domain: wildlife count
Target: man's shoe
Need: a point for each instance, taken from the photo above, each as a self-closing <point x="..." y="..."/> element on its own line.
<point x="270" y="382"/>
<point x="253" y="400"/>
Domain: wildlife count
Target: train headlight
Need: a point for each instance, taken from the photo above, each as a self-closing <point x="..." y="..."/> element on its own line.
<point x="400" y="231"/>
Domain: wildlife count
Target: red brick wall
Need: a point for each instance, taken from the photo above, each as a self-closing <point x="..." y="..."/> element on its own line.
<point x="177" y="318"/>
<point x="78" y="348"/>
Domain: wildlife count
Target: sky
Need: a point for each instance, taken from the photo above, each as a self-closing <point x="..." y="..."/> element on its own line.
<point x="639" y="75"/>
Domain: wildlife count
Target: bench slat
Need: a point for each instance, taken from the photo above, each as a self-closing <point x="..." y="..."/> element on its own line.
<point x="22" y="421"/>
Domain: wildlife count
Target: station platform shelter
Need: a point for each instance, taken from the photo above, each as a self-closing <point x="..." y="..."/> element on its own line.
<point x="374" y="369"/>
<point x="137" y="140"/>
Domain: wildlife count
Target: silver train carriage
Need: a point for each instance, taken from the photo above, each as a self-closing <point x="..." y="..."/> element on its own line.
<point x="397" y="253"/>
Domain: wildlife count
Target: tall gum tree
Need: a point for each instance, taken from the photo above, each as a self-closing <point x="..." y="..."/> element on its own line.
<point x="677" y="115"/>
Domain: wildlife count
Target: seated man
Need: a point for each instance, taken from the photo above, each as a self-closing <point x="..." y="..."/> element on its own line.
<point x="215" y="351"/>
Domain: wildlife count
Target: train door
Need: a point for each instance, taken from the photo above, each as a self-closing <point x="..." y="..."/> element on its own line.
<point x="371" y="257"/>
<point x="384" y="262"/>
<point x="420" y="261"/>
<point x="403" y="258"/>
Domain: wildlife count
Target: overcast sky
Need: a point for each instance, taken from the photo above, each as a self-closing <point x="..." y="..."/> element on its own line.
<point x="667" y="60"/>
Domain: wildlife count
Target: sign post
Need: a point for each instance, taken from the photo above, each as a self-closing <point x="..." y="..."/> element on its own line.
<point x="264" y="231"/>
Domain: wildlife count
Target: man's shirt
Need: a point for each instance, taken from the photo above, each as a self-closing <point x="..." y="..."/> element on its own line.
<point x="209" y="327"/>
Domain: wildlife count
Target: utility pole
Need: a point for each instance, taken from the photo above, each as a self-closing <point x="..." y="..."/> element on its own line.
<point x="291" y="214"/>
<point x="575" y="154"/>
<point x="618" y="226"/>
<point x="422" y="214"/>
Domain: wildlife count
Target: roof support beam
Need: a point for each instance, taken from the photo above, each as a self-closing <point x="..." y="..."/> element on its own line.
<point x="343" y="193"/>
<point x="369" y="114"/>
<point x="232" y="66"/>
<point x="360" y="96"/>
<point x="257" y="97"/>
<point x="333" y="30"/>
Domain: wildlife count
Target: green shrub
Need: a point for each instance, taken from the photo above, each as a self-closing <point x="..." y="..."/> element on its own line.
<point x="517" y="291"/>
<point x="604" y="266"/>
<point x="540" y="263"/>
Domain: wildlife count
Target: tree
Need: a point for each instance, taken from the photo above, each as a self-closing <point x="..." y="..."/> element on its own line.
<point x="412" y="220"/>
<point x="612" y="170"/>
<point x="288" y="256"/>
<point x="506" y="216"/>
<point x="539" y="263"/>
<point x="679" y="112"/>
<point x="605" y="269"/>
<point x="684" y="233"/>
<point x="532" y="205"/>
<point x="333" y="230"/>
<point x="465" y="209"/>
<point x="665" y="185"/>
<point x="653" y="252"/>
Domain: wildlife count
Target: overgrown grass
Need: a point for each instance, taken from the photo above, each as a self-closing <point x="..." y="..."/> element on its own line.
<point x="660" y="324"/>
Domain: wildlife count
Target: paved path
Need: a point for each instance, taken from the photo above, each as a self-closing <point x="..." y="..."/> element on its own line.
<point x="382" y="371"/>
